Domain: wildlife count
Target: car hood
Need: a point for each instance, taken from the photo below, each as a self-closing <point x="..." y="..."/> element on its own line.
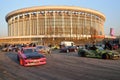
<point x="33" y="55"/>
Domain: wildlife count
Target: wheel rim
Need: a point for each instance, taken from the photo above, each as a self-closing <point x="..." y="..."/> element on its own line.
<point x="105" y="56"/>
<point x="18" y="58"/>
<point x="83" y="54"/>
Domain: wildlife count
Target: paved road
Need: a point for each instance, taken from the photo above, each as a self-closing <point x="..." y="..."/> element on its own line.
<point x="60" y="66"/>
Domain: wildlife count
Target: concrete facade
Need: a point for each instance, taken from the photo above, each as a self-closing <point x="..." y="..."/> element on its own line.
<point x="51" y="24"/>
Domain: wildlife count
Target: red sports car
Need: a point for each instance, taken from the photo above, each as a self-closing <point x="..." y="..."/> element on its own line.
<point x="28" y="56"/>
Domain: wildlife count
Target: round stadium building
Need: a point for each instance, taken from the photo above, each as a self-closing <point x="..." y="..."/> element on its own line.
<point x="53" y="24"/>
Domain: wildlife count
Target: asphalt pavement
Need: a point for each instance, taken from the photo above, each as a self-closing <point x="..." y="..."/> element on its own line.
<point x="60" y="66"/>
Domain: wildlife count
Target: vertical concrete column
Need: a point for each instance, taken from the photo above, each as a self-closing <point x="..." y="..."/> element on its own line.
<point x="82" y="24"/>
<point x="23" y="26"/>
<point x="85" y="34"/>
<point x="18" y="25"/>
<point x="98" y="26"/>
<point x="78" y="26"/>
<point x="30" y="23"/>
<point x="33" y="24"/>
<point x="9" y="31"/>
<point x="63" y="23"/>
<point x="14" y="27"/>
<point x="91" y="24"/>
<point x="102" y="21"/>
<point x="11" y="28"/>
<point x="8" y="28"/>
<point x="9" y="25"/>
<point x="54" y="21"/>
<point x="95" y="26"/>
<point x="71" y="24"/>
<point x="45" y="23"/>
<point x="37" y="24"/>
<point x="101" y="25"/>
<point x="19" y="28"/>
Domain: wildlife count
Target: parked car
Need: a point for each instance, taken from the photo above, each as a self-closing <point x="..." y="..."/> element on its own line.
<point x="114" y="46"/>
<point x="68" y="49"/>
<point x="28" y="56"/>
<point x="54" y="47"/>
<point x="98" y="52"/>
<point x="4" y="49"/>
<point x="43" y="49"/>
<point x="7" y="49"/>
<point x="111" y="46"/>
<point x="10" y="48"/>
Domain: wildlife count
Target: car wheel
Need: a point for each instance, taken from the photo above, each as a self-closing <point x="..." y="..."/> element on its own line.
<point x="82" y="54"/>
<point x="105" y="56"/>
<point x="18" y="58"/>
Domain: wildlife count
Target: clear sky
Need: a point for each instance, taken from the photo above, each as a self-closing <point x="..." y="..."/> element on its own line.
<point x="110" y="8"/>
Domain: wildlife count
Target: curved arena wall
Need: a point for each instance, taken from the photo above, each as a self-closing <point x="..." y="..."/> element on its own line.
<point x="56" y="21"/>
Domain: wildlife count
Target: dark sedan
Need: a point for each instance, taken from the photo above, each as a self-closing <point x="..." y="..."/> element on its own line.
<point x="68" y="49"/>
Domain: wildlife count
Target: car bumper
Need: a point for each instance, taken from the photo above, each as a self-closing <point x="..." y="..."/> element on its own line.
<point x="35" y="62"/>
<point x="115" y="57"/>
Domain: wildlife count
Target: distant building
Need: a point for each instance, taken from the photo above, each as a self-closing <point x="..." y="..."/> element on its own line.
<point x="53" y="24"/>
<point x="111" y="32"/>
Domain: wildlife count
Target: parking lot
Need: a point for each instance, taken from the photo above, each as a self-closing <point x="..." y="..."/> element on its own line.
<point x="60" y="66"/>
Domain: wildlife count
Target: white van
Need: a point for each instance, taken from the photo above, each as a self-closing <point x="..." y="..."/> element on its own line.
<point x="67" y="43"/>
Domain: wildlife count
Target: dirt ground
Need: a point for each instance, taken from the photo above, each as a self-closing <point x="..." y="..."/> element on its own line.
<point x="60" y="66"/>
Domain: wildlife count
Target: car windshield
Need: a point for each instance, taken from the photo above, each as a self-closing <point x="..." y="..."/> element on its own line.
<point x="70" y="46"/>
<point x="40" y="47"/>
<point x="29" y="50"/>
